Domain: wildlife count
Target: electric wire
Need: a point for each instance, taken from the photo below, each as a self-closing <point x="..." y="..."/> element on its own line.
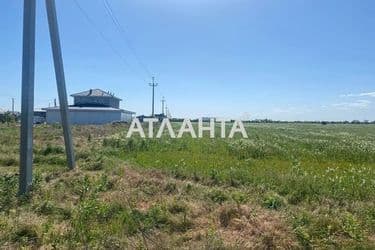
<point x="105" y="39"/>
<point x="120" y="28"/>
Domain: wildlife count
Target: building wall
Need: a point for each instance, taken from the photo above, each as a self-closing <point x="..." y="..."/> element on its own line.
<point x="126" y="117"/>
<point x="87" y="117"/>
<point x="96" y="100"/>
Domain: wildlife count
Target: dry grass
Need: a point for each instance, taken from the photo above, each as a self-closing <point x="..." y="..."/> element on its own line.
<point x="247" y="226"/>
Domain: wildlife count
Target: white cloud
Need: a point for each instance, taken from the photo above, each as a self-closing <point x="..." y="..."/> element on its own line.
<point x="362" y="104"/>
<point x="370" y="94"/>
<point x="283" y="110"/>
<point x="291" y="110"/>
<point x="367" y="94"/>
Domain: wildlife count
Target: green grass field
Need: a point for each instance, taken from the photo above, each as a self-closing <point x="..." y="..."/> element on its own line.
<point x="287" y="186"/>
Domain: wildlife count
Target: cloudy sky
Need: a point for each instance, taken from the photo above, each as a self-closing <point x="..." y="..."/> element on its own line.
<point x="278" y="59"/>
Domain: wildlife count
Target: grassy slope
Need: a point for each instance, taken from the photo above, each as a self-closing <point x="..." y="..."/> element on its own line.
<point x="290" y="186"/>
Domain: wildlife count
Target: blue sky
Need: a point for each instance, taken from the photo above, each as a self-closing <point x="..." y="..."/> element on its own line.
<point x="278" y="59"/>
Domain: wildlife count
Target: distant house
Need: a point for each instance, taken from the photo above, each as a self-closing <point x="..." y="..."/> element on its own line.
<point x="93" y="106"/>
<point x="160" y="117"/>
<point x="39" y="116"/>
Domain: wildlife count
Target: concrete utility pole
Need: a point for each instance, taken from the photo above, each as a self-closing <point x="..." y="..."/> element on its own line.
<point x="60" y="80"/>
<point x="12" y="105"/>
<point x="153" y="85"/>
<point x="27" y="102"/>
<point x="162" y="105"/>
<point x="167" y="112"/>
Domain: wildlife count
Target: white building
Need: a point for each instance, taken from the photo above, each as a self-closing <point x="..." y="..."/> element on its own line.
<point x="93" y="106"/>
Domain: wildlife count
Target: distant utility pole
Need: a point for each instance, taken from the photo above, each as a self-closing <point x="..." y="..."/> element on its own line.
<point x="12" y="105"/>
<point x="162" y="105"/>
<point x="27" y="103"/>
<point x="167" y="114"/>
<point x="54" y="102"/>
<point x="153" y="85"/>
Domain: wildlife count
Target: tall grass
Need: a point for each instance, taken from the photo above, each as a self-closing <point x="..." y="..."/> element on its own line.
<point x="320" y="178"/>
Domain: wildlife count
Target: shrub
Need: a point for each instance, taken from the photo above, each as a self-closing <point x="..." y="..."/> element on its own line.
<point x="273" y="201"/>
<point x="217" y="196"/>
<point x="26" y="235"/>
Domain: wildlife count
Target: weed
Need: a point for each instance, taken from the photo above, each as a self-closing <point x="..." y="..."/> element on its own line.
<point x="170" y="187"/>
<point x="47" y="208"/>
<point x="8" y="191"/>
<point x="8" y="161"/>
<point x="49" y="149"/>
<point x="177" y="207"/>
<point x="226" y="214"/>
<point x="214" y="241"/>
<point x="179" y="223"/>
<point x="273" y="201"/>
<point x="218" y="196"/>
<point x="351" y="227"/>
<point x="26" y="235"/>
<point x="239" y="198"/>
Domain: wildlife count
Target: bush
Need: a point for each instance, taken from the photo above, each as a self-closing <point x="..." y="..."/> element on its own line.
<point x="217" y="196"/>
<point x="273" y="201"/>
<point x="26" y="235"/>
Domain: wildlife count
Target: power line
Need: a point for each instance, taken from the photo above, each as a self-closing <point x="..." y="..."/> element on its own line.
<point x="105" y="39"/>
<point x="122" y="31"/>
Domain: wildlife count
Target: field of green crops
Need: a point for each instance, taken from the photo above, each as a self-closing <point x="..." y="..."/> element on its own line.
<point x="286" y="186"/>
